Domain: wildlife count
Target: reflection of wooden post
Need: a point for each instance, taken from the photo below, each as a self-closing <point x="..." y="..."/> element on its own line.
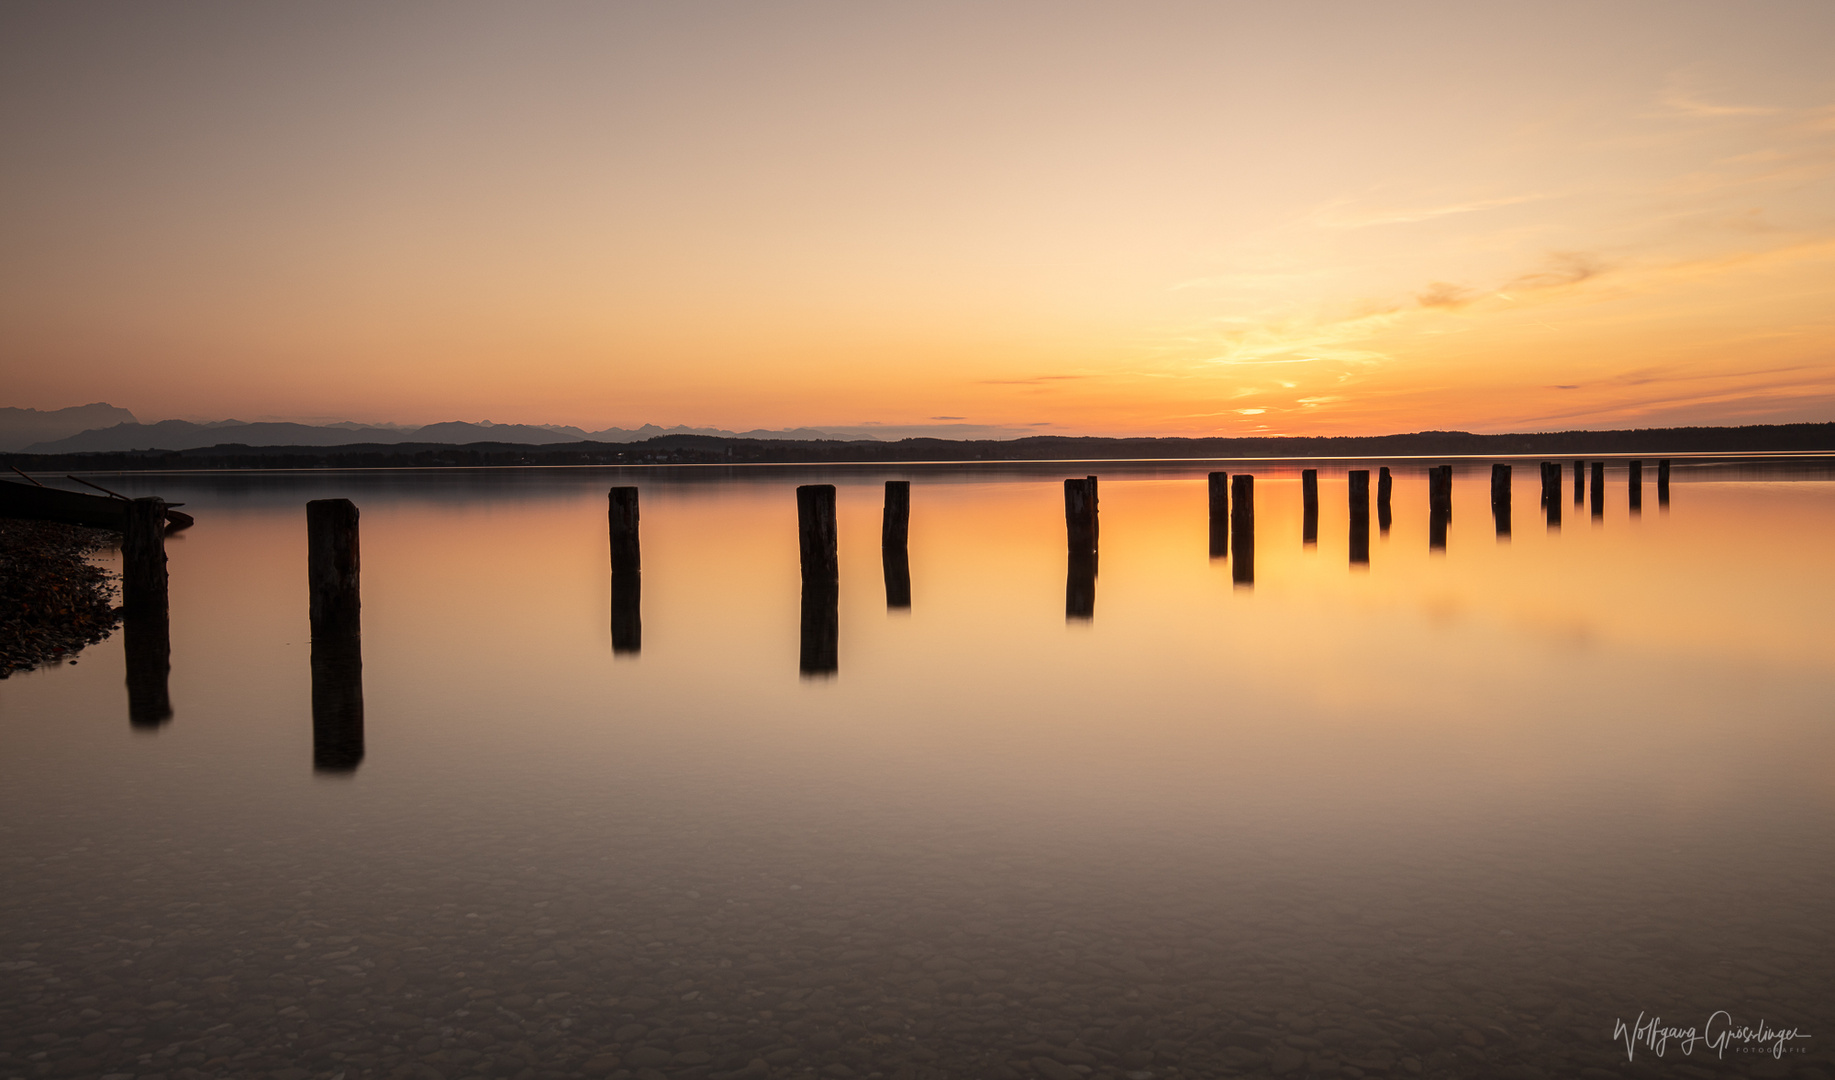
<point x="1500" y="497"/>
<point x="821" y="630"/>
<point x="143" y="558"/>
<point x="627" y="612"/>
<point x="148" y="648"/>
<point x="894" y="541"/>
<point x="1663" y="482"/>
<point x="1599" y="489"/>
<point x="1580" y="482"/>
<point x="1242" y="529"/>
<point x="1218" y="486"/>
<point x="1080" y="587"/>
<point x="333" y="569"/>
<point x="1384" y="484"/>
<point x="1360" y="517"/>
<point x="1636" y="484"/>
<point x="1309" y="506"/>
<point x="1080" y="516"/>
<point x="621" y="517"/>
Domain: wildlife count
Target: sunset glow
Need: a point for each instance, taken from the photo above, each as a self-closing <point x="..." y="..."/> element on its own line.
<point x="1088" y="219"/>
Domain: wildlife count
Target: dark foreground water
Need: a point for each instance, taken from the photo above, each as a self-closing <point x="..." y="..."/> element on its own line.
<point x="1458" y="811"/>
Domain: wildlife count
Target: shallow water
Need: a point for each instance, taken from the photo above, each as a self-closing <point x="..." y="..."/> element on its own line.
<point x="1453" y="812"/>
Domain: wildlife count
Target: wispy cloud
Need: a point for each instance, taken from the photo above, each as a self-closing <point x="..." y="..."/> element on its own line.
<point x="1036" y="380"/>
<point x="1679" y="101"/>
<point x="1341" y="216"/>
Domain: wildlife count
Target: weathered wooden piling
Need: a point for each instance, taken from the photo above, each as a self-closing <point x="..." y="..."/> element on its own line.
<point x="1635" y="483"/>
<point x="1384" y="485"/>
<point x="1360" y="516"/>
<point x="1599" y="489"/>
<point x="333" y="567"/>
<point x="894" y="543"/>
<point x="816" y="535"/>
<point x="1440" y="490"/>
<point x="1242" y="529"/>
<point x="627" y="612"/>
<point x="1309" y="506"/>
<point x="1551" y="492"/>
<point x="895" y="523"/>
<point x="1663" y="482"/>
<point x="1580" y="482"/>
<point x="1095" y="515"/>
<point x="621" y="519"/>
<point x="1218" y="487"/>
<point x="1080" y="515"/>
<point x="143" y="558"/>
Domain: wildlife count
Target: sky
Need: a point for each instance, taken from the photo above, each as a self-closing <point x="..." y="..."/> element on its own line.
<point x="1156" y="218"/>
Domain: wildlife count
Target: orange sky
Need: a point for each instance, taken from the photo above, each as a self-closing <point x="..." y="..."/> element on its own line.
<point x="1159" y="219"/>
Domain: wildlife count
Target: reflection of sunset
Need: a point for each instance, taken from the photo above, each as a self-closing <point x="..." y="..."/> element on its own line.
<point x="1214" y="220"/>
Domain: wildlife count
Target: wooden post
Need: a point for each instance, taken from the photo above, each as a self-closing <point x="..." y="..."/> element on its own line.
<point x="1384" y="485"/>
<point x="333" y="570"/>
<point x="1309" y="507"/>
<point x="1242" y="529"/>
<point x="1580" y="482"/>
<point x="1551" y="492"/>
<point x="1599" y="489"/>
<point x="1636" y="485"/>
<point x="1095" y="515"/>
<point x="621" y="517"/>
<point x="1439" y="506"/>
<point x="1500" y="497"/>
<point x="895" y="524"/>
<point x="815" y="517"/>
<point x="1218" y="485"/>
<point x="143" y="558"/>
<point x="1360" y="517"/>
<point x="1080" y="516"/>
<point x="1663" y="482"/>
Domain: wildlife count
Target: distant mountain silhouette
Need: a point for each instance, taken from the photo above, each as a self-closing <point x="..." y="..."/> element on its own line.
<point x="188" y="435"/>
<point x="20" y="428"/>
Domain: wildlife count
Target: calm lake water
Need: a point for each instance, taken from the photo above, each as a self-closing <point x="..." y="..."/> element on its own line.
<point x="1456" y="812"/>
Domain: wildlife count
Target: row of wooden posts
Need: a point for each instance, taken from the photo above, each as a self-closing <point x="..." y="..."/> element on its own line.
<point x="335" y="601"/>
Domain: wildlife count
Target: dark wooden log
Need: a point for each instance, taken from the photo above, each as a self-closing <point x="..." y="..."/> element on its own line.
<point x="627" y="612"/>
<point x="1552" y="493"/>
<point x="143" y="558"/>
<point x="1309" y="506"/>
<point x="1360" y="516"/>
<point x="147" y="643"/>
<point x="1663" y="482"/>
<point x="1095" y="515"/>
<point x="333" y="565"/>
<point x="816" y="535"/>
<point x="1385" y="484"/>
<point x="895" y="524"/>
<point x="1242" y="529"/>
<point x="1218" y="487"/>
<point x="1635" y="482"/>
<point x="1580" y="482"/>
<point x="1080" y="516"/>
<point x="621" y="519"/>
<point x="821" y="630"/>
<point x="1599" y="489"/>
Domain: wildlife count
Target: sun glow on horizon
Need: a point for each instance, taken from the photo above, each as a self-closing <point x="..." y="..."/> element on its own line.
<point x="1075" y="219"/>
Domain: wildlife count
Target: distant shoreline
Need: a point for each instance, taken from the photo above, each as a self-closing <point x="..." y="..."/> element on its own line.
<point x="1781" y="439"/>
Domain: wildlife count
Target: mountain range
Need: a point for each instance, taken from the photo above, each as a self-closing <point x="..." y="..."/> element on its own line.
<point x="105" y="428"/>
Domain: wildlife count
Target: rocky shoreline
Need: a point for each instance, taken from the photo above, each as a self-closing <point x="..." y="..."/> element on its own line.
<point x="53" y="599"/>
